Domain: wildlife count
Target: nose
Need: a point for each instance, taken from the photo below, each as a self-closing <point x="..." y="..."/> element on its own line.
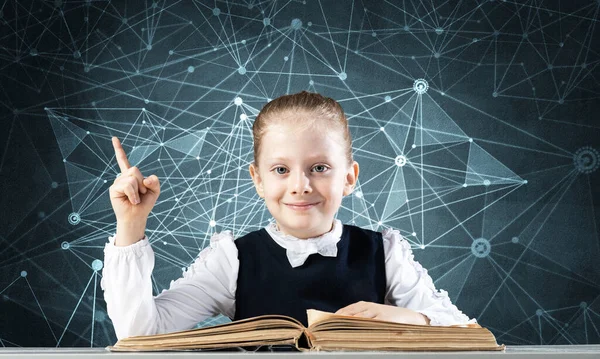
<point x="299" y="183"/>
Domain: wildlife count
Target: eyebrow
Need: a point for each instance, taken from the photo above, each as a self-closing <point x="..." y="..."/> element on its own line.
<point x="311" y="158"/>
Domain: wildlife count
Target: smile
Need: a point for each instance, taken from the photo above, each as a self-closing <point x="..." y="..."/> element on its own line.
<point x="301" y="207"/>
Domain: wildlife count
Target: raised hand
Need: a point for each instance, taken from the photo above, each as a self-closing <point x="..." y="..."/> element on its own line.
<point x="132" y="197"/>
<point x="384" y="312"/>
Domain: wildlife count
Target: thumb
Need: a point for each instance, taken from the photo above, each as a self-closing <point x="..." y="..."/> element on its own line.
<point x="152" y="183"/>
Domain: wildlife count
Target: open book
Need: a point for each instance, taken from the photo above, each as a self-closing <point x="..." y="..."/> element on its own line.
<point x="326" y="331"/>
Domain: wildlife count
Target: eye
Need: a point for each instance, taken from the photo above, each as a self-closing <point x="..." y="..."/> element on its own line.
<point x="277" y="170"/>
<point x="320" y="168"/>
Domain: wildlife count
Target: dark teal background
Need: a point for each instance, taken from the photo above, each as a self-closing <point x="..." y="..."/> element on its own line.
<point x="498" y="196"/>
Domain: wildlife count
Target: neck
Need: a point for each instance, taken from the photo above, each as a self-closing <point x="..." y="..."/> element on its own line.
<point x="304" y="236"/>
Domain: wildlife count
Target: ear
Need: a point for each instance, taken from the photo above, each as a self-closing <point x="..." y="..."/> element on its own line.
<point x="258" y="184"/>
<point x="351" y="178"/>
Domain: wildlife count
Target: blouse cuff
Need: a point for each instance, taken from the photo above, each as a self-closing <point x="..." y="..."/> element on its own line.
<point x="138" y="248"/>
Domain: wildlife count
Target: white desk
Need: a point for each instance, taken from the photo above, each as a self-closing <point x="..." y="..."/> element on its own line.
<point x="512" y="352"/>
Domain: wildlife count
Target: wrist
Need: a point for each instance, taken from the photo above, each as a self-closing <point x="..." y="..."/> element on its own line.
<point x="129" y="233"/>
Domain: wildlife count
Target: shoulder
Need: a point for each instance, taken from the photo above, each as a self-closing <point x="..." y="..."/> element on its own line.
<point x="250" y="237"/>
<point x="355" y="231"/>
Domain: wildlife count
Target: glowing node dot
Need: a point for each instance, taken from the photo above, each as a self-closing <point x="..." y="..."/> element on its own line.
<point x="266" y="21"/>
<point x="296" y="24"/>
<point x="439" y="31"/>
<point x="100" y="316"/>
<point x="583" y="305"/>
<point x="379" y="223"/>
<point x="414" y="234"/>
<point x="437" y="55"/>
<point x="197" y="157"/>
<point x="311" y="82"/>
<point x="209" y="171"/>
<point x="212" y="223"/>
<point x="171" y="52"/>
<point x="33" y="52"/>
<point x="164" y="243"/>
<point x="190" y="69"/>
<point x="148" y="47"/>
<point x="464" y="185"/>
<point x="382" y="129"/>
<point x="420" y="86"/>
<point x="76" y="54"/>
<point x="105" y="181"/>
<point x="586" y="160"/>
<point x="23" y="274"/>
<point x="495" y="94"/>
<point x="486" y="182"/>
<point x="343" y="76"/>
<point x="414" y="146"/>
<point x="358" y="194"/>
<point x="238" y="101"/>
<point x="74" y="218"/>
<point x="406" y="28"/>
<point x="539" y="312"/>
<point x="216" y="11"/>
<point x="229" y="200"/>
<point x="54" y="184"/>
<point x="241" y="70"/>
<point x="286" y="58"/>
<point x="243" y="42"/>
<point x="143" y="122"/>
<point x="481" y="248"/>
<point x="65" y="245"/>
<point x="388" y="98"/>
<point x="243" y="117"/>
<point x="400" y="160"/>
<point x="422" y="246"/>
<point x="97" y="264"/>
<point x="515" y="239"/>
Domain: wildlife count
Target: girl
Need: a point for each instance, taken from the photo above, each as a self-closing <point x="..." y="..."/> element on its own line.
<point x="306" y="258"/>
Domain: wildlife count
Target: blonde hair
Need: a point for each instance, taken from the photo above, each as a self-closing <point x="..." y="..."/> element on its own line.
<point x="328" y="114"/>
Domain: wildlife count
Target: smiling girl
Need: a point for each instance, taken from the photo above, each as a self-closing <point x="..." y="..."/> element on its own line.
<point x="305" y="258"/>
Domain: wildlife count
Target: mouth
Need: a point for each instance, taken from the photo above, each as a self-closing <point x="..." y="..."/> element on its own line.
<point x="301" y="207"/>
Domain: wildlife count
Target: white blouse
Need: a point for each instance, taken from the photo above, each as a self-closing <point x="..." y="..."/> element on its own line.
<point x="208" y="285"/>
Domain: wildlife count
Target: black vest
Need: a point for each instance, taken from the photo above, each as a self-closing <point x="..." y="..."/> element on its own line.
<point x="267" y="283"/>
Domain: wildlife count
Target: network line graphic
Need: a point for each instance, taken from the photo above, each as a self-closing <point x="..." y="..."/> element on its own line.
<point x="474" y="125"/>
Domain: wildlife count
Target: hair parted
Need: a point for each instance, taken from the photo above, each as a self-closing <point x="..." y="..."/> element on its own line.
<point x="321" y="112"/>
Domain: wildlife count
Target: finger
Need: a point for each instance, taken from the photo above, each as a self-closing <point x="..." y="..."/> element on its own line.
<point x="352" y="308"/>
<point x="366" y="314"/>
<point x="131" y="191"/>
<point x="135" y="173"/>
<point x="152" y="183"/>
<point x="120" y="155"/>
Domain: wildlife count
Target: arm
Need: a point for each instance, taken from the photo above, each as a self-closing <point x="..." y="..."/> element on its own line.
<point x="206" y="288"/>
<point x="410" y="286"/>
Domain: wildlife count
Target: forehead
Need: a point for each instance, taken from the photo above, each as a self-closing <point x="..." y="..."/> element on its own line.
<point x="288" y="142"/>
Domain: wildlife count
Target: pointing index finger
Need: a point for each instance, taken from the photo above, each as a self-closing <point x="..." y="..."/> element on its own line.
<point x="121" y="155"/>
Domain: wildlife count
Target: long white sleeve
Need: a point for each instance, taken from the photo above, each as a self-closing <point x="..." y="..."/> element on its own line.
<point x="409" y="285"/>
<point x="206" y="288"/>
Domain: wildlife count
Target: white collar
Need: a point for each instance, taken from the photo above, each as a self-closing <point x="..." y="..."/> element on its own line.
<point x="298" y="250"/>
